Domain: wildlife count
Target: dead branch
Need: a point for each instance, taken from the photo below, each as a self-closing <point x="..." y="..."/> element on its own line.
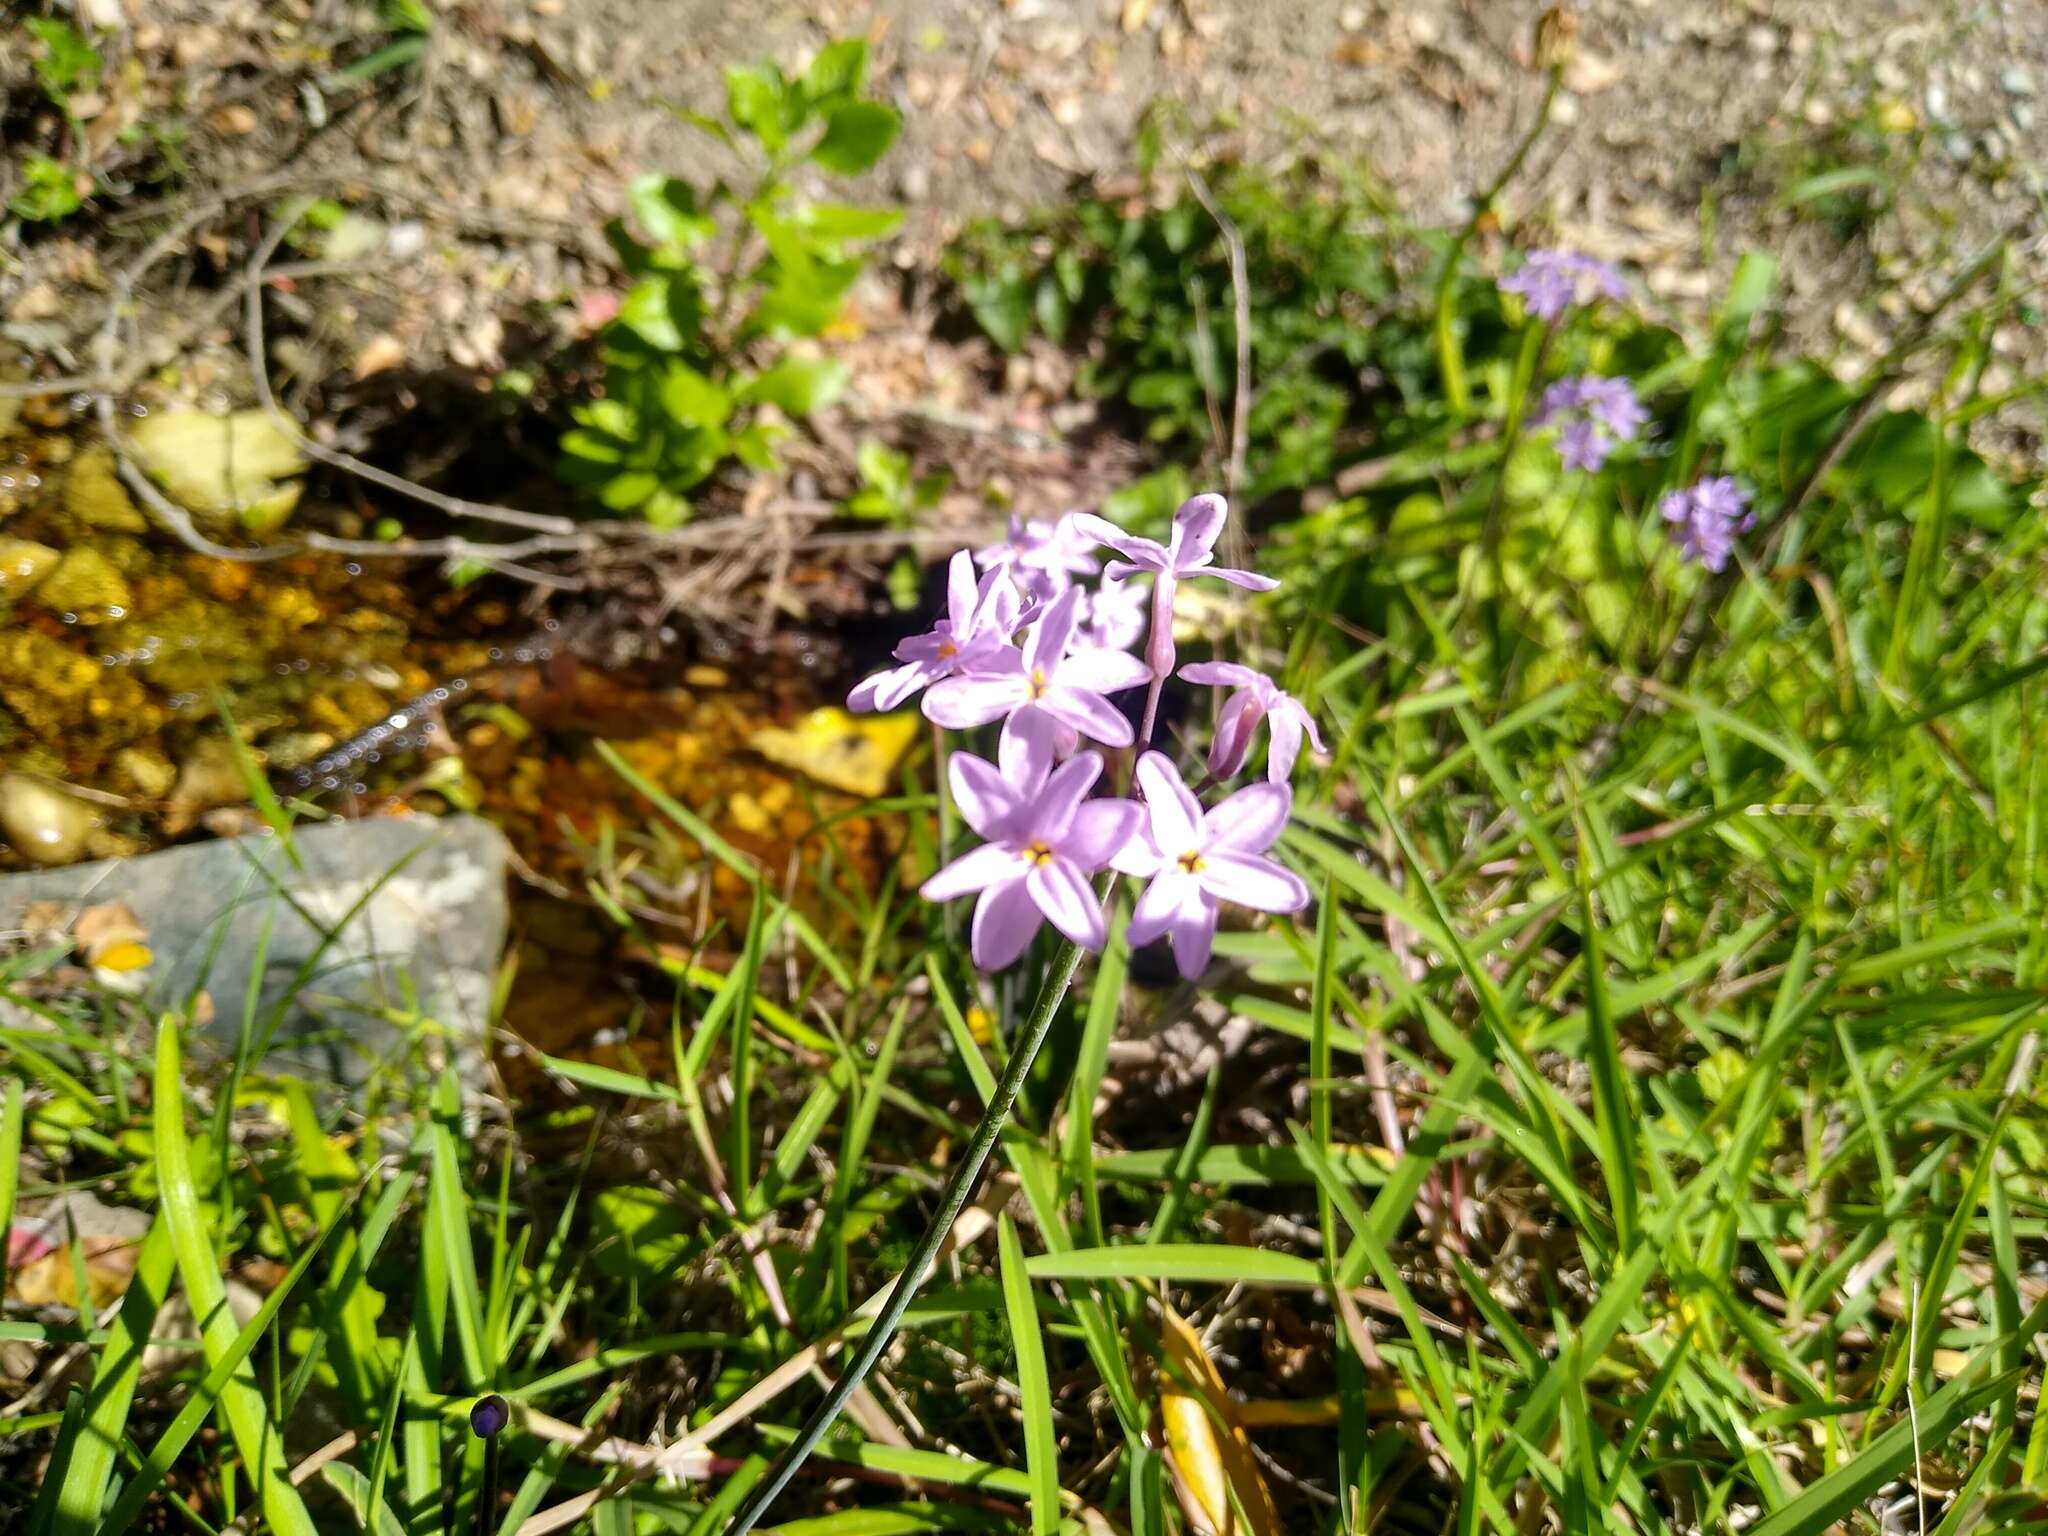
<point x="259" y="374"/>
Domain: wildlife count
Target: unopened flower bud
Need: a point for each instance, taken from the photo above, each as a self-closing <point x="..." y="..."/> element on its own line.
<point x="1556" y="31"/>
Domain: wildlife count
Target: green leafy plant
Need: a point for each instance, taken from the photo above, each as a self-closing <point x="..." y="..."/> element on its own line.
<point x="889" y="492"/>
<point x="68" y="61"/>
<point x="49" y="190"/>
<point x="1146" y="287"/>
<point x="699" y="367"/>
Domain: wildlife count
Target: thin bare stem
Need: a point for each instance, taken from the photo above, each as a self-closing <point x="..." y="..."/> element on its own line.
<point x="965" y="1175"/>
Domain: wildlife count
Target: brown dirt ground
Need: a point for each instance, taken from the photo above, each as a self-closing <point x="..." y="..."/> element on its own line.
<point x="1685" y="131"/>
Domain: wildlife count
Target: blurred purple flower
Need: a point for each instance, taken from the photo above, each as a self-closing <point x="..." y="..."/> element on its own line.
<point x="1581" y="445"/>
<point x="1041" y="558"/>
<point x="1190" y="552"/>
<point x="1196" y="859"/>
<point x="1706" y="518"/>
<point x="1115" y="614"/>
<point x="1067" y="684"/>
<point x="1044" y="838"/>
<point x="1613" y="404"/>
<point x="1257" y="698"/>
<point x="1596" y="413"/>
<point x="978" y="624"/>
<point x="1550" y="282"/>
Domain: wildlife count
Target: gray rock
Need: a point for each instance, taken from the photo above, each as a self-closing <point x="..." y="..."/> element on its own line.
<point x="429" y="912"/>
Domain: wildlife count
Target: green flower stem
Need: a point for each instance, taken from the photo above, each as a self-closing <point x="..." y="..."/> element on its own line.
<point x="1450" y="347"/>
<point x="966" y="1174"/>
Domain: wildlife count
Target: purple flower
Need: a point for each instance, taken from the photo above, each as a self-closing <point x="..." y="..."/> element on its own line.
<point x="1190" y="552"/>
<point x="1257" y="698"/>
<point x="1550" y="282"/>
<point x="1596" y="412"/>
<point x="1041" y="558"/>
<point x="1196" y="859"/>
<point x="1581" y="446"/>
<point x="978" y="624"/>
<point x="1066" y="684"/>
<point x="1612" y="403"/>
<point x="1115" y="616"/>
<point x="1706" y="518"/>
<point x="1044" y="839"/>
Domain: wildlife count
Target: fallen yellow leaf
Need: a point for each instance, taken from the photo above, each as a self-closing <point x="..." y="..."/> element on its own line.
<point x="854" y="753"/>
<point x="1212" y="1458"/>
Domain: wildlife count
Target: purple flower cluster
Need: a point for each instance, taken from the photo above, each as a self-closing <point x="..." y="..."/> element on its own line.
<point x="1706" y="519"/>
<point x="1551" y="282"/>
<point x="1031" y="644"/>
<point x="1596" y="414"/>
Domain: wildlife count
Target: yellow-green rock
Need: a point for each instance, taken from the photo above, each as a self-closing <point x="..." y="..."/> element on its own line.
<point x="94" y="494"/>
<point x="227" y="470"/>
<point x="210" y="776"/>
<point x="45" y="825"/>
<point x="148" y="773"/>
<point x="22" y="564"/>
<point x="85" y="583"/>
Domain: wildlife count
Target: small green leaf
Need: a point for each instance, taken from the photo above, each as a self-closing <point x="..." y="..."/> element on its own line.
<point x="647" y="312"/>
<point x="68" y="60"/>
<point x="803" y="303"/>
<point x="799" y="385"/>
<point x="665" y="509"/>
<point x="1001" y="307"/>
<point x="49" y="190"/>
<point x="755" y="446"/>
<point x="593" y="447"/>
<point x="624" y="492"/>
<point x="838" y="72"/>
<point x="693" y="400"/>
<point x="837" y="222"/>
<point x="883" y="468"/>
<point x="1051" y="308"/>
<point x="756" y="97"/>
<point x="667" y="212"/>
<point x="856" y="136"/>
<point x="699" y="120"/>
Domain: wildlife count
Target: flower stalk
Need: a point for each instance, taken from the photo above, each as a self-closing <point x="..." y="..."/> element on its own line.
<point x="1029" y="646"/>
<point x="966" y="1175"/>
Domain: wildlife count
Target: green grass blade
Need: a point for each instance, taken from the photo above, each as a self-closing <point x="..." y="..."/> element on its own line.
<point x="1828" y="1499"/>
<point x="1220" y="1263"/>
<point x="372" y="1514"/>
<point x="11" y="1115"/>
<point x="701" y="832"/>
<point x="1041" y="1450"/>
<point x="1613" y="1113"/>
<point x="91" y="1461"/>
<point x="258" y="1440"/>
<point x="447" y="1233"/>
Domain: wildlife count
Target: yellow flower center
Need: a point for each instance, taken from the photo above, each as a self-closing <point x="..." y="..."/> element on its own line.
<point x="1037" y="855"/>
<point x="948" y="650"/>
<point x="1192" y="862"/>
<point x="1038" y="682"/>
